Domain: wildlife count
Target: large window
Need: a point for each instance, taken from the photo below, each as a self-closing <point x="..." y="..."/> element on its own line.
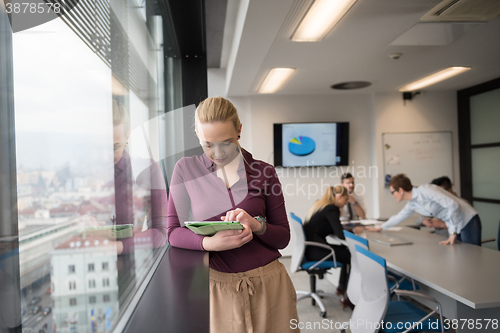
<point x="91" y="189"/>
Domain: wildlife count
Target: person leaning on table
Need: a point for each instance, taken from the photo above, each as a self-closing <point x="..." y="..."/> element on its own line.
<point x="432" y="222"/>
<point x="432" y="201"/>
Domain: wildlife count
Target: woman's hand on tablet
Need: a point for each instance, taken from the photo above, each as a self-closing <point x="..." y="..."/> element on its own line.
<point x="228" y="239"/>
<point x="244" y="218"/>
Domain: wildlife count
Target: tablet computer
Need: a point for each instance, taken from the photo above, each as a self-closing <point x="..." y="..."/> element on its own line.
<point x="209" y="228"/>
<point x="119" y="231"/>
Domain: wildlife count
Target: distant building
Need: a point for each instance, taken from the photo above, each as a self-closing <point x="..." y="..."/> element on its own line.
<point x="42" y="214"/>
<point x="64" y="210"/>
<point x="84" y="284"/>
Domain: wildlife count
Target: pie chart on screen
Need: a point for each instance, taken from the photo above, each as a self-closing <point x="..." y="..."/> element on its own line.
<point x="301" y="145"/>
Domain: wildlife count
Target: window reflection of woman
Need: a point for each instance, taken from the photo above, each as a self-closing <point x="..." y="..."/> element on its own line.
<point x="123" y="168"/>
<point x="250" y="290"/>
<point x="124" y="182"/>
<point x="121" y="131"/>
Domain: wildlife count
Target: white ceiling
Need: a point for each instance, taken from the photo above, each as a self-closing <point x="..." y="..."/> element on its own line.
<point x="257" y="38"/>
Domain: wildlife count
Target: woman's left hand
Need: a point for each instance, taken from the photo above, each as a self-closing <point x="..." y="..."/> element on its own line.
<point x="451" y="240"/>
<point x="243" y="217"/>
<point x="374" y="228"/>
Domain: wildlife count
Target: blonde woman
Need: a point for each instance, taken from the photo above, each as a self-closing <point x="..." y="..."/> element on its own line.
<point x="250" y="290"/>
<point x="322" y="220"/>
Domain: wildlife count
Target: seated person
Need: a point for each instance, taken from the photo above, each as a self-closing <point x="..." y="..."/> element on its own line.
<point x="355" y="208"/>
<point x="323" y="220"/>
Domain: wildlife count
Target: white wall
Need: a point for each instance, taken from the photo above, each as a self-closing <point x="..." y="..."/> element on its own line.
<point x="428" y="112"/>
<point x="302" y="186"/>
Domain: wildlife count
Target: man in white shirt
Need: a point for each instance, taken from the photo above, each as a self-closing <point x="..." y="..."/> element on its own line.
<point x="432" y="222"/>
<point x="355" y="207"/>
<point x="432" y="201"/>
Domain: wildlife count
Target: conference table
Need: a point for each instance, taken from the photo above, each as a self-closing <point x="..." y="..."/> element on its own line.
<point x="464" y="278"/>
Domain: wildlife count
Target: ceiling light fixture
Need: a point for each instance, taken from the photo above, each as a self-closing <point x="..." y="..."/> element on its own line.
<point x="434" y="78"/>
<point x="275" y="79"/>
<point x="321" y="17"/>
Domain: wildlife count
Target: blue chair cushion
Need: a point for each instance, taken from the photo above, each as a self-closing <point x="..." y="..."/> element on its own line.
<point x="325" y="264"/>
<point x="401" y="312"/>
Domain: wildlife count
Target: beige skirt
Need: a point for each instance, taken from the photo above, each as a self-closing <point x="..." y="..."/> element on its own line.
<point x="261" y="300"/>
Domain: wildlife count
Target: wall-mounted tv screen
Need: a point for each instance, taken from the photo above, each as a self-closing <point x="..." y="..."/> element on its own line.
<point x="311" y="144"/>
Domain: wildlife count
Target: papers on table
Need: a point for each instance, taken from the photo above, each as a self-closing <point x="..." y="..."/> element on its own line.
<point x="364" y="222"/>
<point x="388" y="239"/>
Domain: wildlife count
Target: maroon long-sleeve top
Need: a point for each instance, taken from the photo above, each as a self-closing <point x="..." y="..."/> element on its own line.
<point x="197" y="194"/>
<point x="151" y="179"/>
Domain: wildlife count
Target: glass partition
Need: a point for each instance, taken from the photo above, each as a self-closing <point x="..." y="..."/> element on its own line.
<point x="91" y="192"/>
<point x="485" y="178"/>
<point x="485" y="117"/>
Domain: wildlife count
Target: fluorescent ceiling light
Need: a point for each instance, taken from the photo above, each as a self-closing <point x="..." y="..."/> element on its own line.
<point x="434" y="78"/>
<point x="320" y="19"/>
<point x="275" y="79"/>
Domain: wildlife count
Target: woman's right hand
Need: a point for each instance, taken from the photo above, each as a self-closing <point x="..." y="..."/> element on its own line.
<point x="228" y="239"/>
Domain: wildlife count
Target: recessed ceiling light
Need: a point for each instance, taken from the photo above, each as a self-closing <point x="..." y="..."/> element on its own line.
<point x="434" y="78"/>
<point x="321" y="17"/>
<point x="275" y="79"/>
<point x="351" y="85"/>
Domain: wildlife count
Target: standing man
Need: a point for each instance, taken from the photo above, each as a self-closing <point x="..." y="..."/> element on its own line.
<point x="355" y="207"/>
<point x="445" y="183"/>
<point x="441" y="228"/>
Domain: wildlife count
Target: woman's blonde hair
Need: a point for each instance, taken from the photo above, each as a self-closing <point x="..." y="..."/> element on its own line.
<point x="215" y="109"/>
<point x="120" y="116"/>
<point x="327" y="199"/>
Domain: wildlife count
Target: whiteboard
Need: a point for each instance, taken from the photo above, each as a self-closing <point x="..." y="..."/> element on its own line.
<point x="422" y="156"/>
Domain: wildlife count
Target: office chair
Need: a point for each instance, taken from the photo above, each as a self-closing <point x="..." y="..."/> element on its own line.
<point x="488" y="240"/>
<point x="354" y="285"/>
<point x="374" y="305"/>
<point x="313" y="268"/>
<point x="353" y="289"/>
